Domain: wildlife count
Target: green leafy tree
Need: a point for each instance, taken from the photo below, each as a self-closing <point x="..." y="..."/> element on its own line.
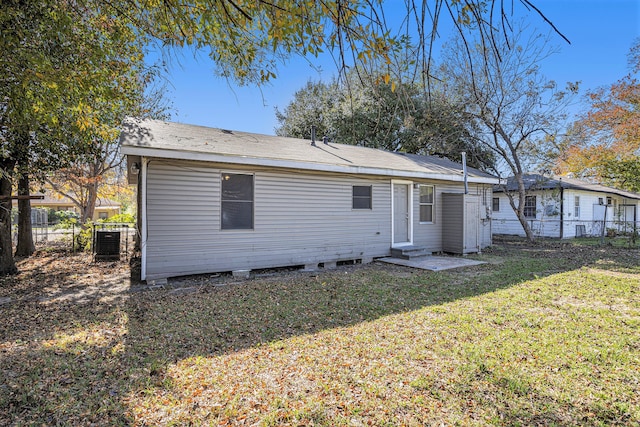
<point x="377" y="115"/>
<point x="33" y="87"/>
<point x="70" y="73"/>
<point x="313" y="105"/>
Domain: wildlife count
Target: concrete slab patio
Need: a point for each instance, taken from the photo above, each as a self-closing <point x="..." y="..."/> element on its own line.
<point x="433" y="263"/>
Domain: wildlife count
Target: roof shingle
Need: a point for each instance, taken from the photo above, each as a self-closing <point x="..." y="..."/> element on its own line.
<point x="154" y="138"/>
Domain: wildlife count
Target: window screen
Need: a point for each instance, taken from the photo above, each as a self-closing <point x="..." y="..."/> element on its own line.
<point x="361" y="197"/>
<point x="237" y="202"/>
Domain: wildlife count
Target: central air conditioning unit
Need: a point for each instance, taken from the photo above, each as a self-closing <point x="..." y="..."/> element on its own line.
<point x="107" y="245"/>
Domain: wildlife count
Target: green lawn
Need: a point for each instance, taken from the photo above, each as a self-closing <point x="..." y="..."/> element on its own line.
<point x="544" y="334"/>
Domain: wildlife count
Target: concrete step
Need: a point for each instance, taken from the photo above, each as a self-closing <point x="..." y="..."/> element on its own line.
<point x="410" y="252"/>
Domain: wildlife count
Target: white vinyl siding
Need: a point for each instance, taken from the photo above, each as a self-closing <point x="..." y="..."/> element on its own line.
<point x="506" y="222"/>
<point x="290" y="227"/>
<point x="578" y="214"/>
<point x="299" y="218"/>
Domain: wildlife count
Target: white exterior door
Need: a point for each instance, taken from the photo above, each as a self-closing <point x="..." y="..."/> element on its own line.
<point x="401" y="214"/>
<point x="471" y="224"/>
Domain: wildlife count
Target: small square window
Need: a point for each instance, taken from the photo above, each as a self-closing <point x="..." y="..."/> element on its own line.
<point x="496" y="204"/>
<point x="361" y="197"/>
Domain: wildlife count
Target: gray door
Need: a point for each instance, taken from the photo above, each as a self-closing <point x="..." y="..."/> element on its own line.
<point x="400" y="213"/>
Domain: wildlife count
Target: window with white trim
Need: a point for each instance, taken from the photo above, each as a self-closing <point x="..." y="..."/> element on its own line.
<point x="496" y="204"/>
<point x="426" y="203"/>
<point x="236" y="201"/>
<point x="576" y="206"/>
<point x="530" y="207"/>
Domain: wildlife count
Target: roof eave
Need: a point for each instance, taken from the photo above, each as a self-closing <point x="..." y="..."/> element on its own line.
<point x="292" y="164"/>
<point x="575" y="188"/>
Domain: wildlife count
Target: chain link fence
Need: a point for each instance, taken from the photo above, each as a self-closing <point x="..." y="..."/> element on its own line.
<point x="72" y="237"/>
<point x="571" y="228"/>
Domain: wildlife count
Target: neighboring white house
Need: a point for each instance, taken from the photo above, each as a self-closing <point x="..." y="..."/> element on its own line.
<point x="566" y="207"/>
<point x="104" y="208"/>
<point x="217" y="200"/>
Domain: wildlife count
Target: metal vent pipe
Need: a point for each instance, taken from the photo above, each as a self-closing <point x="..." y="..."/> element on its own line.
<point x="464" y="172"/>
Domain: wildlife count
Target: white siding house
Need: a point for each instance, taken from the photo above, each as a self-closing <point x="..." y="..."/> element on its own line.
<point x="565" y="207"/>
<point x="213" y="200"/>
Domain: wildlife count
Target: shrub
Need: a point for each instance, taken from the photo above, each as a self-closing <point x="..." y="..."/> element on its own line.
<point x="122" y="218"/>
<point x="63" y="219"/>
<point x="84" y="238"/>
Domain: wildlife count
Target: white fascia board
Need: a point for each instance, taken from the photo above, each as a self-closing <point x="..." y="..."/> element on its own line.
<point x="294" y="164"/>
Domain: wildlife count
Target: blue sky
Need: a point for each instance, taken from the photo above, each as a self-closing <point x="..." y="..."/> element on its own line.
<point x="601" y="33"/>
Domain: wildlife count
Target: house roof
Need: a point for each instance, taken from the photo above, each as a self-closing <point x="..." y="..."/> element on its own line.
<point x="152" y="138"/>
<point x="541" y="182"/>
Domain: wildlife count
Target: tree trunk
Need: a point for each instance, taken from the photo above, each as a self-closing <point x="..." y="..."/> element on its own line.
<point x="525" y="226"/>
<point x="25" y="246"/>
<point x="7" y="263"/>
<point x="519" y="209"/>
<point x="522" y="197"/>
<point x="88" y="210"/>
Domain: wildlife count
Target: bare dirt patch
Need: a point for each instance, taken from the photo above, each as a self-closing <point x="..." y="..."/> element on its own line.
<point x="58" y="276"/>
